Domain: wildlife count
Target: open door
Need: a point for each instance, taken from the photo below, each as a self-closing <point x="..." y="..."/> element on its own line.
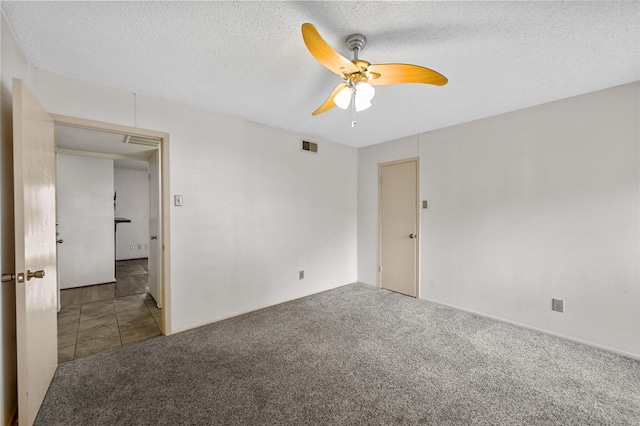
<point x="35" y="246"/>
<point x="155" y="242"/>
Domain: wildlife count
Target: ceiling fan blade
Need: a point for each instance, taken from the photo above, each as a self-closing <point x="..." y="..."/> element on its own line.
<point x="328" y="104"/>
<point x="404" y="73"/>
<point x="324" y="53"/>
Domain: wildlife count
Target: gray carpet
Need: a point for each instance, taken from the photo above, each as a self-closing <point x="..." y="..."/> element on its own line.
<point x="351" y="356"/>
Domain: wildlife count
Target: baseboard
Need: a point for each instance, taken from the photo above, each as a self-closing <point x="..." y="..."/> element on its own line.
<point x="550" y="333"/>
<point x="89" y="285"/>
<point x="372" y="285"/>
<point x="236" y="314"/>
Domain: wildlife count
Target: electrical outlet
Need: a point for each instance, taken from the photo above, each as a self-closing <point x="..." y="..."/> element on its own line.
<point x="557" y="305"/>
<point x="301" y="275"/>
<point x="139" y="246"/>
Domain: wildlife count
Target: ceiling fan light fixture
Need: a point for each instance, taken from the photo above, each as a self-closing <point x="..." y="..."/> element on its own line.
<point x="343" y="98"/>
<point x="356" y="72"/>
<point x="364" y="93"/>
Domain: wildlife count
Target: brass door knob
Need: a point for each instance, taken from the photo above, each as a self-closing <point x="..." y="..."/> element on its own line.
<point x="60" y="241"/>
<point x="412" y="235"/>
<point x="154" y="237"/>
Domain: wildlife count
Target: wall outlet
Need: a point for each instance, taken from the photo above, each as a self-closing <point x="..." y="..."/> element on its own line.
<point x="132" y="247"/>
<point x="139" y="246"/>
<point x="146" y="246"/>
<point x="557" y="305"/>
<point x="301" y="275"/>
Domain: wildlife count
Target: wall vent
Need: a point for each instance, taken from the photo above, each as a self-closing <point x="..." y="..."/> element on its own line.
<point x="309" y="146"/>
<point x="141" y="140"/>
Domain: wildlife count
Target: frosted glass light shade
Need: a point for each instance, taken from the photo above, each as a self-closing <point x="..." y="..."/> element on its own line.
<point x="365" y="91"/>
<point x="343" y="98"/>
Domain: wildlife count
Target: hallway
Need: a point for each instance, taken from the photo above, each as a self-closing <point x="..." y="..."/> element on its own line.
<point x="105" y="316"/>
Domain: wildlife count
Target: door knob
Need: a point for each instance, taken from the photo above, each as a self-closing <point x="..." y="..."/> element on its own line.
<point x="60" y="241"/>
<point x="412" y="235"/>
<point x="154" y="237"/>
<point x="36" y="274"/>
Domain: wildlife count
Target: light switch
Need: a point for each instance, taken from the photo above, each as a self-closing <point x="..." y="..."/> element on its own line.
<point x="424" y="204"/>
<point x="177" y="200"/>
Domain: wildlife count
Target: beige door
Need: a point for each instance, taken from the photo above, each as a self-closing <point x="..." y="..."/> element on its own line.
<point x="399" y="226"/>
<point x="35" y="250"/>
<point x="155" y="242"/>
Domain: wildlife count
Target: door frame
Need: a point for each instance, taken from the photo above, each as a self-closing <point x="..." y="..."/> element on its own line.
<point x="164" y="195"/>
<point x="417" y="207"/>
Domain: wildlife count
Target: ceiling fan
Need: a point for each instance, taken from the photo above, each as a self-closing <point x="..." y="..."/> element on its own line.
<point x="360" y="76"/>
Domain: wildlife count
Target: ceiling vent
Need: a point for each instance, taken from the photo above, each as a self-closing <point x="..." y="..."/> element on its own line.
<point x="309" y="146"/>
<point x="141" y="140"/>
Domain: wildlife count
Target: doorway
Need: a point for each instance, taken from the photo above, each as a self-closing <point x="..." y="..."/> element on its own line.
<point x="35" y="243"/>
<point x="103" y="314"/>
<point x="398" y="213"/>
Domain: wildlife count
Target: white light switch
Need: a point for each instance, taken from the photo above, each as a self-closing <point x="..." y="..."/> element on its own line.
<point x="177" y="200"/>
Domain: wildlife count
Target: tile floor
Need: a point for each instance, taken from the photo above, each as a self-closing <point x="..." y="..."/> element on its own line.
<point x="106" y="316"/>
<point x="131" y="278"/>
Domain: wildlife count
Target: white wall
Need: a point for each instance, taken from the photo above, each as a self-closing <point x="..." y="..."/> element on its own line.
<point x="12" y="64"/>
<point x="256" y="209"/>
<point x="527" y="206"/>
<point x="132" y="202"/>
<point x="85" y="221"/>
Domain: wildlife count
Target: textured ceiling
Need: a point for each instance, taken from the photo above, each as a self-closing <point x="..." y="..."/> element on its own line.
<point x="248" y="60"/>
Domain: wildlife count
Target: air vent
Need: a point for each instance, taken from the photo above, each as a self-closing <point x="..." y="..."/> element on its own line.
<point x="309" y="146"/>
<point x="140" y="140"/>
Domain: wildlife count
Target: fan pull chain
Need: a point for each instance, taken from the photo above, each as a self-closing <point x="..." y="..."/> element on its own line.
<point x="353" y="108"/>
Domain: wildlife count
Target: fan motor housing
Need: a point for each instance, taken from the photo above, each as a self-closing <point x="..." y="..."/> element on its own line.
<point x="356" y="42"/>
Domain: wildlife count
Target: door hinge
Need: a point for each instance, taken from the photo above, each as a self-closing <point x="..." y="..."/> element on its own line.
<point x="379" y="268"/>
<point x="380" y="179"/>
